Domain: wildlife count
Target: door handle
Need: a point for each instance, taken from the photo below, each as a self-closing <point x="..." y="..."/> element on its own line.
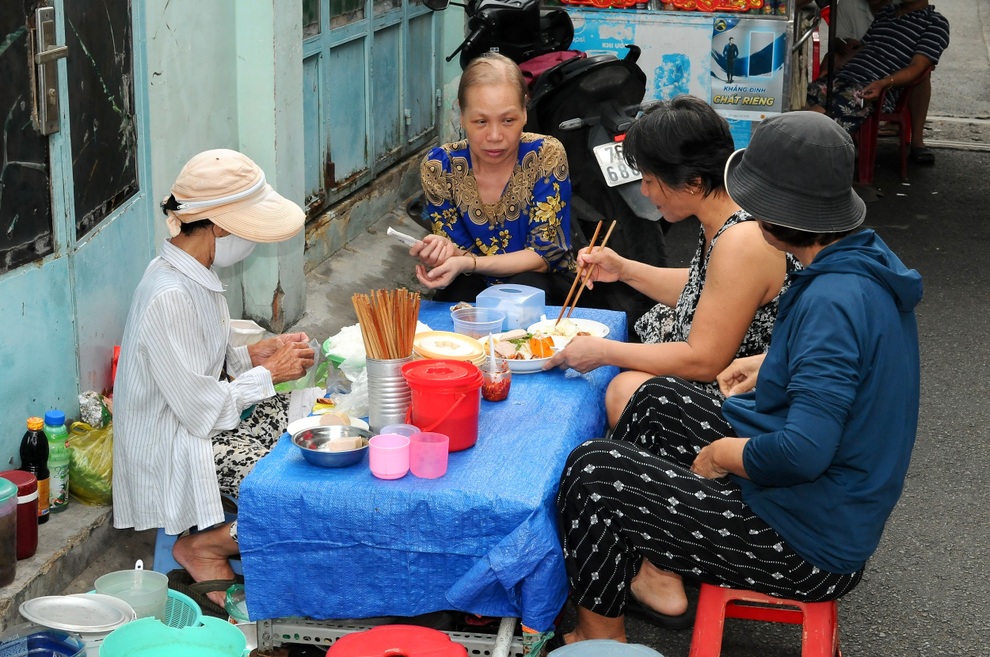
<point x="46" y="59"/>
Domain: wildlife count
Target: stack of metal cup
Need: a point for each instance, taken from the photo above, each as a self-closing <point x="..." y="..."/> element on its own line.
<point x="388" y="392"/>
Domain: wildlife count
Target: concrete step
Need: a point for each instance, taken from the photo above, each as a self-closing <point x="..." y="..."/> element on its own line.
<point x="67" y="544"/>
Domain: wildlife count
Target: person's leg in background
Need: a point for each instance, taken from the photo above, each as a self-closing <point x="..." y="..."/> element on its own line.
<point x="918" y="103"/>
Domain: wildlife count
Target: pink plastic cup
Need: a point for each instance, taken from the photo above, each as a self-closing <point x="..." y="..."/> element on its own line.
<point x="388" y="455"/>
<point x="428" y="454"/>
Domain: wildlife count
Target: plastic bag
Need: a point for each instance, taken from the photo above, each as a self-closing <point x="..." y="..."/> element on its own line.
<point x="91" y="464"/>
<point x="311" y="378"/>
<point x="355" y="402"/>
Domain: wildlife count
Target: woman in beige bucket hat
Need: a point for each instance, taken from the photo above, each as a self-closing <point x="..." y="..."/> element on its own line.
<point x="181" y="387"/>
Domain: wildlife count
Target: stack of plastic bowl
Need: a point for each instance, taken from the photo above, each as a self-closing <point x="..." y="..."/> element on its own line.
<point x="149" y="637"/>
<point x="92" y="616"/>
<point x="33" y="640"/>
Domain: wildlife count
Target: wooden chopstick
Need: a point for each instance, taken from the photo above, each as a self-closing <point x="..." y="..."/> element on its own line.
<point x="577" y="276"/>
<point x="587" y="276"/>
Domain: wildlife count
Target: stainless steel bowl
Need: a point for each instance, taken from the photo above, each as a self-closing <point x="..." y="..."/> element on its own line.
<point x="315" y="442"/>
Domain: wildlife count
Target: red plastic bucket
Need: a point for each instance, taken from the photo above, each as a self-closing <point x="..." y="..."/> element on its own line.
<point x="445" y="398"/>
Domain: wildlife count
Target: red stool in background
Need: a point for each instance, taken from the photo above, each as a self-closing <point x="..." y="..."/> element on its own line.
<point x="396" y="641"/>
<point x="866" y="136"/>
<point x="820" y="620"/>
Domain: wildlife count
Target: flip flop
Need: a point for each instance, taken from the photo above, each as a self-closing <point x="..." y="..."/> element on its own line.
<point x="180" y="580"/>
<point x="922" y="155"/>
<point x="637" y="609"/>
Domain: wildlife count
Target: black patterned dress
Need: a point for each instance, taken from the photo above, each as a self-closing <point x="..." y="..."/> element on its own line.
<point x="665" y="324"/>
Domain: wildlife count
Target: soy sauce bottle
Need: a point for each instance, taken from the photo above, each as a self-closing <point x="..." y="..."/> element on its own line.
<point x="34" y="459"/>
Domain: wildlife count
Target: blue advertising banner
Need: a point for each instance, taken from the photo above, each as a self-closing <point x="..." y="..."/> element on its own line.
<point x="747" y="67"/>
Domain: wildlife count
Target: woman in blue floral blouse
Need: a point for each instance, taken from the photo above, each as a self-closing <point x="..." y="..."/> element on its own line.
<point x="499" y="201"/>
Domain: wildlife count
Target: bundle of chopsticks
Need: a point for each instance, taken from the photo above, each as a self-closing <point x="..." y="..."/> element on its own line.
<point x="388" y="322"/>
<point x="583" y="275"/>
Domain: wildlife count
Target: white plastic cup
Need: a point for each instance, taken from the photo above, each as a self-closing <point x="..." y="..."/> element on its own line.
<point x="406" y="430"/>
<point x="144" y="590"/>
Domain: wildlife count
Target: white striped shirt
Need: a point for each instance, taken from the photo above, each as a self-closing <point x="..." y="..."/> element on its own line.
<point x="169" y="400"/>
<point x="892" y="42"/>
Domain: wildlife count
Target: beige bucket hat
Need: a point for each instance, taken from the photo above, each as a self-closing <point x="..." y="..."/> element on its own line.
<point x="230" y="190"/>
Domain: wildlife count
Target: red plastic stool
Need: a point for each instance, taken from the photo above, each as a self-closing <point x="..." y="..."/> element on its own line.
<point x="820" y="620"/>
<point x="395" y="640"/>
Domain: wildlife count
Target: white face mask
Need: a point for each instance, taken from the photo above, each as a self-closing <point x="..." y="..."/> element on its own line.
<point x="231" y="249"/>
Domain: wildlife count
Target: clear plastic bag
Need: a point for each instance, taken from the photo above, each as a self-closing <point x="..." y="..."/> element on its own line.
<point x="91" y="464"/>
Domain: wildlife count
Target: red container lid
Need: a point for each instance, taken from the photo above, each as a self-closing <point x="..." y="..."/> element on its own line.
<point x="397" y="640"/>
<point x="25" y="481"/>
<point x="442" y="374"/>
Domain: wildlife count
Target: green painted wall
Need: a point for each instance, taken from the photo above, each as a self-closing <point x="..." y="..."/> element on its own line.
<point x="226" y="74"/>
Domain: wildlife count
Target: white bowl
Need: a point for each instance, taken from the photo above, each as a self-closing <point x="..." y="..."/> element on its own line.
<point x="244" y="332"/>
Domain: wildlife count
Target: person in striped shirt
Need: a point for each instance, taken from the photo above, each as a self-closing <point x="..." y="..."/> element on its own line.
<point x="181" y="388"/>
<point x="902" y="43"/>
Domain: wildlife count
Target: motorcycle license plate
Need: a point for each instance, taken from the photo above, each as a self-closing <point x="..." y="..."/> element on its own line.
<point x="614" y="166"/>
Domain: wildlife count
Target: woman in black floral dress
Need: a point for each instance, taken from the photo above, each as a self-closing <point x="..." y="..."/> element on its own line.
<point x="721" y="307"/>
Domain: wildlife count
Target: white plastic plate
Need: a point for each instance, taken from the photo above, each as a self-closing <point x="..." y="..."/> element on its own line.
<point x="84" y="612"/>
<point x="527" y="366"/>
<point x="597" y="329"/>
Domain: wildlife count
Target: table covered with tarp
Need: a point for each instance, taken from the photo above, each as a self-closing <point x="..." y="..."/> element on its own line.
<point x="483" y="539"/>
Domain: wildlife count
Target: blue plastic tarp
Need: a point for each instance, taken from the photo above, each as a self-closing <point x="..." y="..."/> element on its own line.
<point x="339" y="543"/>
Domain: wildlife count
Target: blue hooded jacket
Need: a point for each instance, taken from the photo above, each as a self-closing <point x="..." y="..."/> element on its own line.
<point x="833" y="418"/>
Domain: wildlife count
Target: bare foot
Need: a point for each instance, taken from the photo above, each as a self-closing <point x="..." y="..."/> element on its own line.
<point x="205" y="555"/>
<point x="595" y="626"/>
<point x="659" y="590"/>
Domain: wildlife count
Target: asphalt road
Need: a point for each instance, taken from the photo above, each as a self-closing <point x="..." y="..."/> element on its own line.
<point x="924" y="592"/>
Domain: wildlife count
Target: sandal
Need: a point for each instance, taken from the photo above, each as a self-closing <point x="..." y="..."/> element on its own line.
<point x="637" y="609"/>
<point x="180" y="580"/>
<point x="922" y="155"/>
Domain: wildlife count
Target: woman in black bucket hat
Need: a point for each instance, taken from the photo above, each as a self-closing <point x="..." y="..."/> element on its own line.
<point x="783" y="488"/>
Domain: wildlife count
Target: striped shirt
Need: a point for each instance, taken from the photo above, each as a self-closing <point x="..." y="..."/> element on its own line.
<point x="892" y="42"/>
<point x="169" y="399"/>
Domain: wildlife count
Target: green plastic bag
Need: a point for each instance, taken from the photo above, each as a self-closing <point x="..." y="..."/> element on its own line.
<point x="91" y="464"/>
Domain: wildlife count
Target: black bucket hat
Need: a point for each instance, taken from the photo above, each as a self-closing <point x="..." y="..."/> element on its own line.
<point x="797" y="172"/>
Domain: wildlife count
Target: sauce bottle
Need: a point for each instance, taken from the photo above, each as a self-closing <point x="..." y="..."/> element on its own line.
<point x="58" y="460"/>
<point x="34" y="459"/>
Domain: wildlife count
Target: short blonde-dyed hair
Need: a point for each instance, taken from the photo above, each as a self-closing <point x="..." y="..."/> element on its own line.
<point x="492" y="68"/>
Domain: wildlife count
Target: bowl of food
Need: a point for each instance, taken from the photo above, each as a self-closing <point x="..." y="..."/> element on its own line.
<point x="568" y="327"/>
<point x="477" y="322"/>
<point x="524" y="352"/>
<point x="332" y="446"/>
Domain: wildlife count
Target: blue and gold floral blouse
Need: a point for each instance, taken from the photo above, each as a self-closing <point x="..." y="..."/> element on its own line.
<point x="532" y="213"/>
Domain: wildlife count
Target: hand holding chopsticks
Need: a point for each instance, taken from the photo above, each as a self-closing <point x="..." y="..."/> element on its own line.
<point x="577" y="277"/>
<point x="583" y="275"/>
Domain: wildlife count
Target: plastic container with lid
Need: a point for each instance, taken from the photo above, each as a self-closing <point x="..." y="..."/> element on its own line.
<point x="445" y="397"/>
<point x="522" y="304"/>
<point x="27" y="511"/>
<point x="8" y="532"/>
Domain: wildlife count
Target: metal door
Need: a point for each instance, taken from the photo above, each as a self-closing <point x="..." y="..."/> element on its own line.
<point x="370" y="89"/>
<point x="75" y="230"/>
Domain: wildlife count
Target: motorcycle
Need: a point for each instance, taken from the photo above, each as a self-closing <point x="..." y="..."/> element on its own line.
<point x="588" y="103"/>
